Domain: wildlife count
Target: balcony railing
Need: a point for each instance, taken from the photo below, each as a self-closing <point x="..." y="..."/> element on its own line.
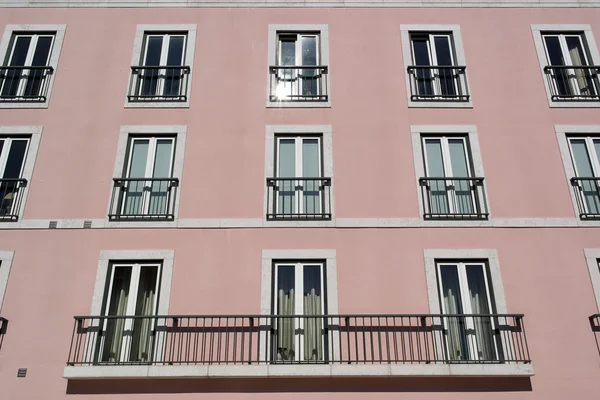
<point x="573" y="83"/>
<point x="158" y="83"/>
<point x="453" y="198"/>
<point x="315" y="339"/>
<point x="595" y="324"/>
<point x="3" y="325"/>
<point x="11" y="198"/>
<point x="587" y="196"/>
<point x="298" y="83"/>
<point x="143" y="199"/>
<point x="438" y="83"/>
<point x="24" y="84"/>
<point x="298" y="198"/>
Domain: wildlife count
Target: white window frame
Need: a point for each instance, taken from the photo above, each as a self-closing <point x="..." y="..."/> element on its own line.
<point x="272" y="133"/>
<point x="59" y="36"/>
<point x="475" y="161"/>
<point x="585" y="30"/>
<point x="458" y="57"/>
<point x="189" y="54"/>
<point x="34" y="134"/>
<point x="6" y="259"/>
<point x="179" y="133"/>
<point x="592" y="257"/>
<point x="4" y="157"/>
<point x="269" y="258"/>
<point x="563" y="133"/>
<point x="322" y="31"/>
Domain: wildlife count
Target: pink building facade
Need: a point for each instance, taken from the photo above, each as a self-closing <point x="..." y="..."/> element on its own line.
<point x="253" y="200"/>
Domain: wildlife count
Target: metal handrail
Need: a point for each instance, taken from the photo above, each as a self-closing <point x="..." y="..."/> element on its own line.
<point x="150" y="199"/>
<point x="299" y="198"/>
<point x="442" y="199"/>
<point x="438" y="83"/>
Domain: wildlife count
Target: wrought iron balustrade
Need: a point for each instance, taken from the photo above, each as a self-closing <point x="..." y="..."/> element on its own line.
<point x="24" y="84"/>
<point x="298" y="83"/>
<point x="299" y="339"/>
<point x="3" y="325"/>
<point x="587" y="196"/>
<point x="453" y="198"/>
<point x="11" y="198"/>
<point x="143" y="198"/>
<point x="438" y="83"/>
<point x="573" y="83"/>
<point x="298" y="198"/>
<point x="595" y="324"/>
<point x="158" y="83"/>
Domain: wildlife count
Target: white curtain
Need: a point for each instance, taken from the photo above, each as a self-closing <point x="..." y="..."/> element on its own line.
<point x="313" y="327"/>
<point x="455" y="351"/>
<point x="580" y="74"/>
<point x="113" y="341"/>
<point x="141" y="346"/>
<point x="285" y="326"/>
<point x="479" y="305"/>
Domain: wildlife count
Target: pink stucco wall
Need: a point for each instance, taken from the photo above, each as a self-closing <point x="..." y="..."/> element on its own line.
<point x="379" y="270"/>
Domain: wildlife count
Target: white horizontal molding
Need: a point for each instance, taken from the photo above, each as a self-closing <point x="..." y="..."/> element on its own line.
<point x="302" y="3"/>
<point x="297" y="371"/>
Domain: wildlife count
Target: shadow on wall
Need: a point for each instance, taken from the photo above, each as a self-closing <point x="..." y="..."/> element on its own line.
<point x="283" y="385"/>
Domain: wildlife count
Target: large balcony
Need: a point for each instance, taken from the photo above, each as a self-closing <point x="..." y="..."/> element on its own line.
<point x="11" y="198"/>
<point x="453" y="198"/>
<point x="322" y="345"/>
<point x="438" y="83"/>
<point x="587" y="197"/>
<point x="573" y="83"/>
<point x="158" y="83"/>
<point x="24" y="84"/>
<point x="298" y="83"/>
<point x="298" y="199"/>
<point x="142" y="199"/>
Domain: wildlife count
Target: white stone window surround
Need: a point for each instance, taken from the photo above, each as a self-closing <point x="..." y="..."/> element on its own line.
<point x="6" y="258"/>
<point x="274" y="30"/>
<point x="53" y="60"/>
<point x="180" y="134"/>
<point x="562" y="133"/>
<point x="592" y="257"/>
<point x="136" y="57"/>
<point x="586" y="30"/>
<point x="273" y="131"/>
<point x="35" y="134"/>
<point x="459" y="53"/>
<point x="468" y="131"/>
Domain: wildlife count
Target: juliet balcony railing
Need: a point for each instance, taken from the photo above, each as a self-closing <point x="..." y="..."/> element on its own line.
<point x="24" y="84"/>
<point x="11" y="198"/>
<point x="298" y="198"/>
<point x="158" y="83"/>
<point x="573" y="83"/>
<point x="438" y="83"/>
<point x="143" y="199"/>
<point x="3" y="326"/>
<point x="595" y="324"/>
<point x="587" y="196"/>
<point x="300" y="339"/>
<point x="453" y="198"/>
<point x="298" y="83"/>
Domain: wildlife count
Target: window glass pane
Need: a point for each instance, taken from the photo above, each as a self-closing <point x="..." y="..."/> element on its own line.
<point x="309" y="50"/>
<point x="581" y="158"/>
<point x="484" y="336"/>
<point x="554" y="51"/>
<point x="451" y="299"/>
<point x="313" y="327"/>
<point x="458" y="158"/>
<point x="153" y="50"/>
<point x="139" y="157"/>
<point x="310" y="158"/>
<point x="576" y="51"/>
<point x="146" y="295"/>
<point x="175" y="55"/>
<point x="141" y="338"/>
<point x="477" y="289"/>
<point x="443" y="51"/>
<point x="435" y="163"/>
<point x="42" y="51"/>
<point x="21" y="47"/>
<point x="421" y="51"/>
<point x="16" y="157"/>
<point x="120" y="291"/>
<point x="597" y="148"/>
<point x="285" y="306"/>
<point x="1" y="146"/>
<point x="162" y="160"/>
<point x="287" y="158"/>
<point x="287" y="52"/>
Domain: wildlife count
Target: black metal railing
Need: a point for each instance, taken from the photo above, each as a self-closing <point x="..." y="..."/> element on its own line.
<point x="299" y="339"/>
<point x="298" y="83"/>
<point x="3" y="326"/>
<point x="11" y="198"/>
<point x="453" y="198"/>
<point x="595" y="324"/>
<point x="143" y="198"/>
<point x="438" y="83"/>
<point x="587" y="196"/>
<point x="158" y="83"/>
<point x="298" y="198"/>
<point x="573" y="83"/>
<point x="24" y="84"/>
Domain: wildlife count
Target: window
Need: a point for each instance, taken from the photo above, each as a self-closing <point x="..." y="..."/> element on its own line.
<point x="131" y="291"/>
<point x="450" y="190"/>
<point x="6" y="258"/>
<point x="298" y="65"/>
<point x="161" y="66"/>
<point x="299" y="290"/>
<point x="13" y="151"/>
<point x="29" y="60"/>
<point x="585" y="153"/>
<point x="434" y="72"/>
<point x="435" y="66"/>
